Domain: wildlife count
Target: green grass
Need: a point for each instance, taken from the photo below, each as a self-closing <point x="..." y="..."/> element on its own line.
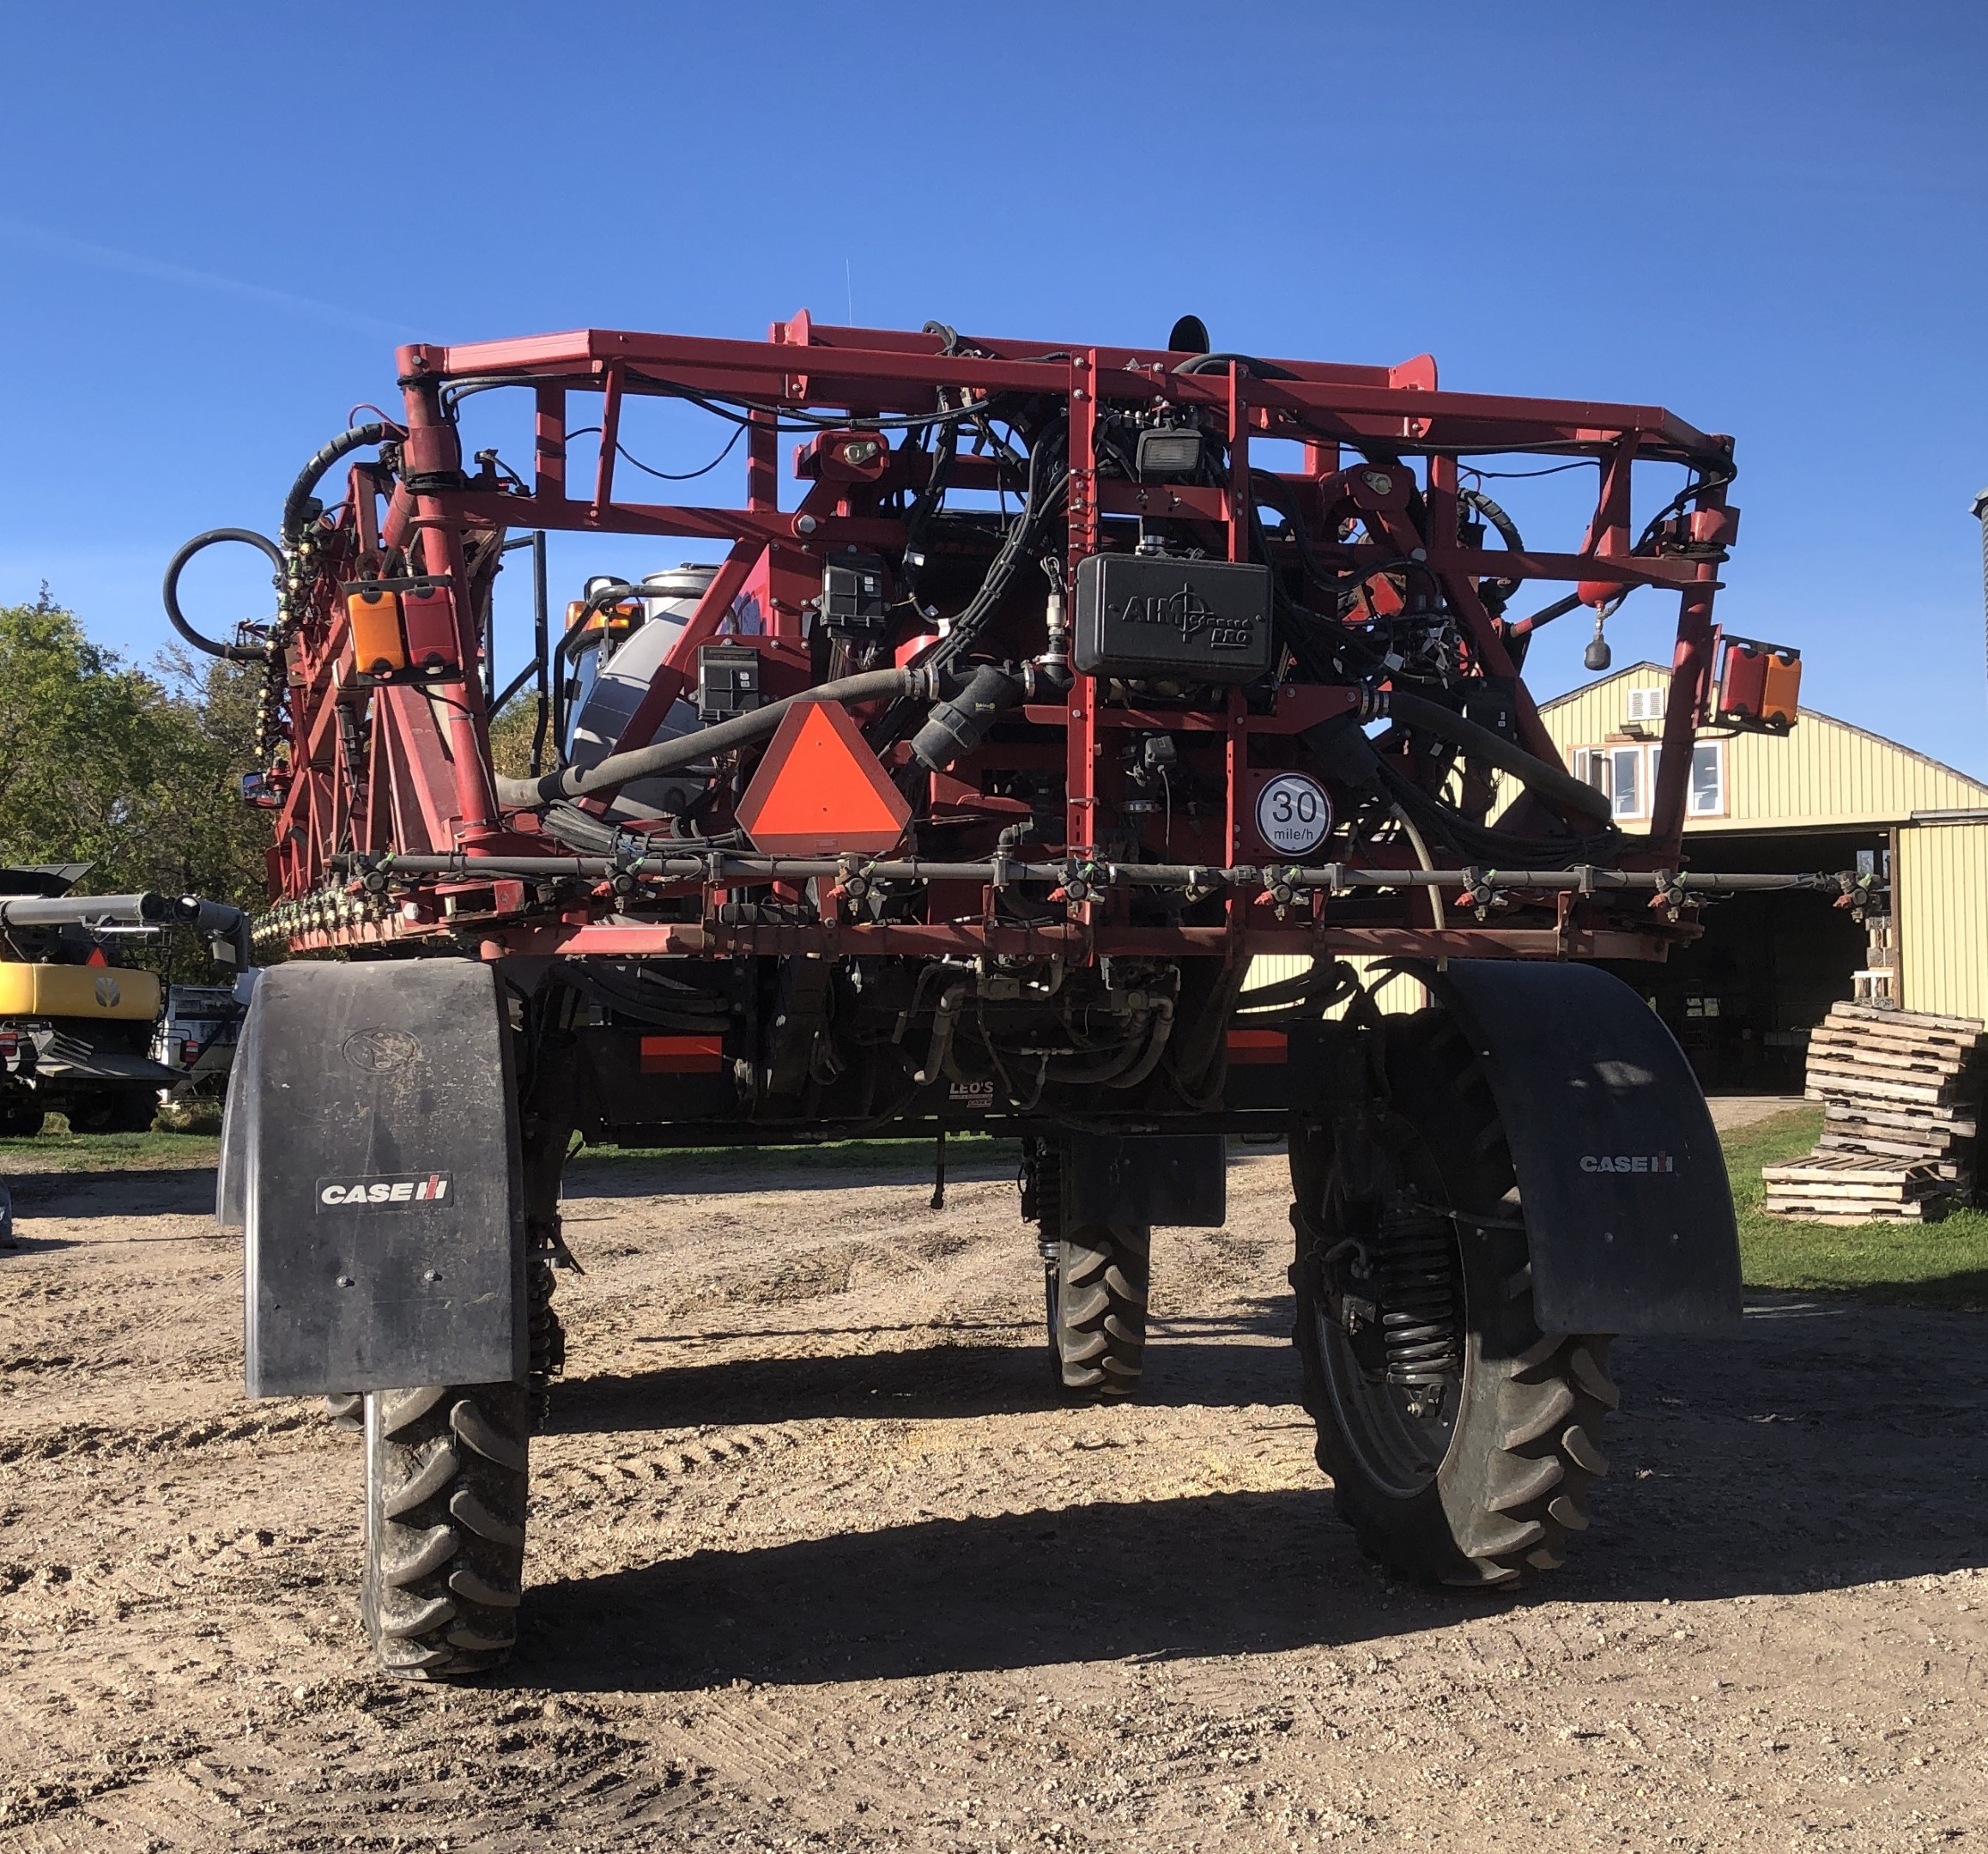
<point x="1942" y="1263"/>
<point x="55" y="1148"/>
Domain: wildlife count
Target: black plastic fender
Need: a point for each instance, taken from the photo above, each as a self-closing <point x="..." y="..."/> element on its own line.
<point x="370" y="1155"/>
<point x="1628" y="1213"/>
<point x="1146" y="1179"/>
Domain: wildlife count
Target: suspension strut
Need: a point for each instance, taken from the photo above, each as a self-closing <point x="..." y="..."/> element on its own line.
<point x="1415" y="1261"/>
<point x="1042" y="1195"/>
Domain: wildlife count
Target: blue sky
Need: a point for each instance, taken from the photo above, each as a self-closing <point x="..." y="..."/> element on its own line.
<point x="218" y="219"/>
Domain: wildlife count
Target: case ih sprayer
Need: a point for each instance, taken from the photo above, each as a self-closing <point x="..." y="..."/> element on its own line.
<point x="1029" y="692"/>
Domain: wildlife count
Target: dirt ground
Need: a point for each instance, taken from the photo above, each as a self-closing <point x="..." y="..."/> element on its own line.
<point x="818" y="1562"/>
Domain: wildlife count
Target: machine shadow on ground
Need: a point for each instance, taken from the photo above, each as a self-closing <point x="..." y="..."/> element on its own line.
<point x="745" y="1170"/>
<point x="1213" y="1574"/>
<point x="175" y="1193"/>
<point x="1822" y="1449"/>
<point x="1191" y="1362"/>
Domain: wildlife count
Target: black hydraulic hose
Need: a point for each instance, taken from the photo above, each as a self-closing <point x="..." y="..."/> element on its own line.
<point x="177" y="619"/>
<point x="1047" y="482"/>
<point x="1562" y="788"/>
<point x="1213" y="363"/>
<point x="1499" y="590"/>
<point x="1520" y="627"/>
<point x="294" y="518"/>
<point x="685" y="749"/>
<point x="1490" y="844"/>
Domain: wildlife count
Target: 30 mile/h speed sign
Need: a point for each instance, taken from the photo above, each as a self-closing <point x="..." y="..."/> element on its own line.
<point x="1293" y="815"/>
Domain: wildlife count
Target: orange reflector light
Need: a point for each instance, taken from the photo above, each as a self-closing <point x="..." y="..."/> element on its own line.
<point x="683" y="1055"/>
<point x="1259" y="1046"/>
<point x="819" y="790"/>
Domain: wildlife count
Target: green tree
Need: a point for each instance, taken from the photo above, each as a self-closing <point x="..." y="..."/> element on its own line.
<point x="135" y="774"/>
<point x="201" y="839"/>
<point x="85" y="745"/>
<point x="511" y="731"/>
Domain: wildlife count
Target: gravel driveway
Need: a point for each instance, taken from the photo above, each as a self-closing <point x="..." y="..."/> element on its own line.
<point x="819" y="1563"/>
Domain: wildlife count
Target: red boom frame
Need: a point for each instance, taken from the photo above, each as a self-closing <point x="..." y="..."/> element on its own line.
<point x="407" y="771"/>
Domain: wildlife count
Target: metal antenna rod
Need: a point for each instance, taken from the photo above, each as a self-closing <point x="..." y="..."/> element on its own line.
<point x="1980" y="513"/>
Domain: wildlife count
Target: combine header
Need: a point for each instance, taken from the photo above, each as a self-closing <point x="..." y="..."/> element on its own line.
<point x="958" y="786"/>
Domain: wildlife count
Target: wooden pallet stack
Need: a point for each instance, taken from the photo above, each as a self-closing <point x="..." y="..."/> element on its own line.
<point x="1901" y="1091"/>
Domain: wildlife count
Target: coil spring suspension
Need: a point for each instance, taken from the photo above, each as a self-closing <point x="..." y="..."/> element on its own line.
<point x="1415" y="1264"/>
<point x="546" y="1332"/>
<point x="1042" y="1196"/>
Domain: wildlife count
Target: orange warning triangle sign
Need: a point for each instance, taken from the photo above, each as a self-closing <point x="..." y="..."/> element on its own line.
<point x="819" y="790"/>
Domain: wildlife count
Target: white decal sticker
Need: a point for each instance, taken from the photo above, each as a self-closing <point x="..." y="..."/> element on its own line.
<point x="407" y="1192"/>
<point x="1293" y="815"/>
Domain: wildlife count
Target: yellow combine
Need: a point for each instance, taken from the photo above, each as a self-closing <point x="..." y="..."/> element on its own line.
<point x="76" y="1029"/>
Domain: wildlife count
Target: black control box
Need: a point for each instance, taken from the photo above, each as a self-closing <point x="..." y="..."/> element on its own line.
<point x="728" y="682"/>
<point x="855" y="594"/>
<point x="1198" y="621"/>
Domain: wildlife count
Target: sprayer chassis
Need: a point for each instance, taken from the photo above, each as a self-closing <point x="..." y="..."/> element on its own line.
<point x="1051" y="943"/>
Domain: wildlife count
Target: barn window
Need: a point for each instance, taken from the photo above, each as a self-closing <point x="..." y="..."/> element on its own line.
<point x="1626" y="781"/>
<point x="1707" y="797"/>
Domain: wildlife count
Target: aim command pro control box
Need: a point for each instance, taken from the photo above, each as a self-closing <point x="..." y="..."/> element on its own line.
<point x="1195" y="620"/>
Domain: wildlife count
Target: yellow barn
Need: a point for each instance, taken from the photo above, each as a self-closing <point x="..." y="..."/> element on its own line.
<point x="1825" y="797"/>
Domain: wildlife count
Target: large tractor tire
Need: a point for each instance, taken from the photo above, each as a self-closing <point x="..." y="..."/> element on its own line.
<point x="1461" y="1440"/>
<point x="446" y="1485"/>
<point x="1095" y="1291"/>
<point x="1094" y="1284"/>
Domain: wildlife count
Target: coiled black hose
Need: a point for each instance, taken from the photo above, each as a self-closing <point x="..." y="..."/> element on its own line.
<point x="177" y="619"/>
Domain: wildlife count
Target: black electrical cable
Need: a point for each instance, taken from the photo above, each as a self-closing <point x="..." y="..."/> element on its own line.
<point x="1040" y="500"/>
<point x="622" y="451"/>
<point x="1484" y="843"/>
<point x="1471" y="469"/>
<point x="929" y="500"/>
<point x="763" y="415"/>
<point x="1708" y="480"/>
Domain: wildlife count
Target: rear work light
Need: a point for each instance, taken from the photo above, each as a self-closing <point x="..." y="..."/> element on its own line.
<point x="1167" y="450"/>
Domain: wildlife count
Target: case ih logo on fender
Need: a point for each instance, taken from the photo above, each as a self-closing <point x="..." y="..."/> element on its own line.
<point x="399" y="1192"/>
<point x="1658" y="1161"/>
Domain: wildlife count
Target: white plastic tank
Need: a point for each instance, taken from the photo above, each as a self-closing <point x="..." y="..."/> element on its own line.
<point x="612" y="690"/>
